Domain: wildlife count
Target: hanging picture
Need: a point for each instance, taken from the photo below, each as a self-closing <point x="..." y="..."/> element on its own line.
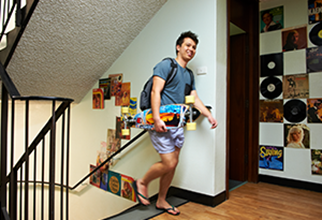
<point x="271" y="157"/>
<point x="294" y="38"/>
<point x="271" y="19"/>
<point x="98" y="99"/>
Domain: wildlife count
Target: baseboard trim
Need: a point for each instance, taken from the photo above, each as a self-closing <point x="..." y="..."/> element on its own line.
<point x="197" y="197"/>
<point x="290" y="183"/>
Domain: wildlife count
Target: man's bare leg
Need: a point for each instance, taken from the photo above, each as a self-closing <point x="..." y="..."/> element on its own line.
<point x="166" y="166"/>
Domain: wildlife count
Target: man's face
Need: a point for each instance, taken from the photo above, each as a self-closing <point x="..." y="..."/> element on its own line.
<point x="187" y="49"/>
<point x="267" y="18"/>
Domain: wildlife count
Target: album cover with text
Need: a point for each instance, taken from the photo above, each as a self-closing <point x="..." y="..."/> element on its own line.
<point x="271" y="157"/>
<point x="296" y="86"/>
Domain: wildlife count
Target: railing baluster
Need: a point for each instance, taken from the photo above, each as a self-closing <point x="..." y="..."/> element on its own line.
<point x="43" y="179"/>
<point x="27" y="160"/>
<point x="67" y="162"/>
<point x="35" y="179"/>
<point x="52" y="166"/>
<point x="62" y="168"/>
<point x="20" y="201"/>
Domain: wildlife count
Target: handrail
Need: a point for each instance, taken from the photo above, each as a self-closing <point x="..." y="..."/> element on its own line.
<point x="7" y="82"/>
<point x="5" y="22"/>
<point x="108" y="159"/>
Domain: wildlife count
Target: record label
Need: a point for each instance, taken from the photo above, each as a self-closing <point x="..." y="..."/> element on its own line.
<point x="271" y="87"/>
<point x="295" y="110"/>
<point x="315" y="34"/>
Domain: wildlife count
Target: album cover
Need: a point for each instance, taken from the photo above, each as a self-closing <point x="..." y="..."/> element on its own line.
<point x="316" y="157"/>
<point x="133" y="106"/>
<point x="98" y="99"/>
<point x="271" y="87"/>
<point x="95" y="178"/>
<point x="114" y="183"/>
<point x="271" y="110"/>
<point x="296" y="86"/>
<point x="297" y="136"/>
<point x="271" y="19"/>
<point x="314" y="59"/>
<point x="102" y="155"/>
<point x="123" y="98"/>
<point x="294" y="38"/>
<point x="116" y="83"/>
<point x="104" y="180"/>
<point x="272" y="64"/>
<point x="105" y="84"/>
<point x="127" y="188"/>
<point x="271" y="157"/>
<point x="113" y="143"/>
<point x="314" y="110"/>
<point x="314" y="11"/>
<point x="295" y="110"/>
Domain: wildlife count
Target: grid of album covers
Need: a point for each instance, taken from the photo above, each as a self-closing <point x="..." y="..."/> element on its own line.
<point x="292" y="96"/>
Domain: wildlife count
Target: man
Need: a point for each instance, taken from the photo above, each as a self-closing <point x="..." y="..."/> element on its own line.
<point x="270" y="25"/>
<point x="169" y="142"/>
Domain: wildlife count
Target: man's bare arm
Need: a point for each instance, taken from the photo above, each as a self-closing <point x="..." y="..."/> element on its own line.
<point x="158" y="84"/>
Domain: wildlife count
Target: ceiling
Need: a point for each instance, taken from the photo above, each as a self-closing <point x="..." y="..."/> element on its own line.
<point x="68" y="45"/>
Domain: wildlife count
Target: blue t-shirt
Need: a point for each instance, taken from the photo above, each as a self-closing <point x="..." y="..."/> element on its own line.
<point x="174" y="92"/>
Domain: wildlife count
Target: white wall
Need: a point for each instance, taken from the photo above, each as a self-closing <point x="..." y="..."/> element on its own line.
<point x="202" y="162"/>
<point x="297" y="162"/>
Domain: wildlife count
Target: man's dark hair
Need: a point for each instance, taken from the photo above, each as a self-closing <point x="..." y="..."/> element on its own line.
<point x="184" y="35"/>
<point x="266" y="12"/>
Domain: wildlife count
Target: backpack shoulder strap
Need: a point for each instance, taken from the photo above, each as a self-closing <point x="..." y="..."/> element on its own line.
<point x="191" y="76"/>
<point x="173" y="71"/>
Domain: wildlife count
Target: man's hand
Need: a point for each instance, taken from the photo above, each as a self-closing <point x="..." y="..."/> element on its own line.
<point x="213" y="122"/>
<point x="159" y="126"/>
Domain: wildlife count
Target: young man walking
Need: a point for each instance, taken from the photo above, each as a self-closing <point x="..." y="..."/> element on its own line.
<point x="169" y="142"/>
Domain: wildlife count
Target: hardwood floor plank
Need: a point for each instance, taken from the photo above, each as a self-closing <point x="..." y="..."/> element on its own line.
<point x="257" y="201"/>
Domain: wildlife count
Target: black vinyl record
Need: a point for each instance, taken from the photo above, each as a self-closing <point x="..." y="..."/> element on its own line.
<point x="272" y="64"/>
<point x="315" y="34"/>
<point x="295" y="110"/>
<point x="271" y="87"/>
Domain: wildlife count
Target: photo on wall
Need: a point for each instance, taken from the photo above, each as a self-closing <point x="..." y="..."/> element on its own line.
<point x="98" y="99"/>
<point x="271" y="157"/>
<point x="94" y="179"/>
<point x="314" y="11"/>
<point x="123" y="98"/>
<point x="271" y="110"/>
<point x="105" y="84"/>
<point x="314" y="110"/>
<point x="316" y="158"/>
<point x="297" y="136"/>
<point x="294" y="38"/>
<point x="271" y="19"/>
<point x="296" y="86"/>
<point x="116" y="83"/>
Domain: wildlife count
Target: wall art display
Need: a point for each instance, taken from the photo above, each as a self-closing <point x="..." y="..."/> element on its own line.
<point x="105" y="84"/>
<point x="114" y="183"/>
<point x="116" y="83"/>
<point x="272" y="64"/>
<point x="98" y="99"/>
<point x="104" y="180"/>
<point x="316" y="157"/>
<point x="271" y="19"/>
<point x="297" y="136"/>
<point x="315" y="34"/>
<point x="95" y="178"/>
<point x="314" y="110"/>
<point x="271" y="157"/>
<point x="294" y="38"/>
<point x="119" y="127"/>
<point x="113" y="143"/>
<point x="314" y="59"/>
<point x="296" y="86"/>
<point x="127" y="189"/>
<point x="314" y="11"/>
<point x="295" y="110"/>
<point x="133" y="106"/>
<point x="271" y="110"/>
<point x="123" y="99"/>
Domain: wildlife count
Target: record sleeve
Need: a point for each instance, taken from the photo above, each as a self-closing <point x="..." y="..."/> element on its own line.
<point x="314" y="11"/>
<point x="294" y="110"/>
<point x="272" y="64"/>
<point x="271" y="110"/>
<point x="271" y="87"/>
<point x="314" y="59"/>
<point x="296" y="86"/>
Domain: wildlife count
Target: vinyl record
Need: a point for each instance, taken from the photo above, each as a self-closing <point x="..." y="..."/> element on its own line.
<point x="271" y="87"/>
<point x="315" y="34"/>
<point x="295" y="110"/>
<point x="272" y="64"/>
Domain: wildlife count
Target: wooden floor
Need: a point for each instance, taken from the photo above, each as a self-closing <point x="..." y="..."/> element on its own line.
<point x="257" y="201"/>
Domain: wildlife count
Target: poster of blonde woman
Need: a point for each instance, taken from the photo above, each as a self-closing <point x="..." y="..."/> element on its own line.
<point x="297" y="136"/>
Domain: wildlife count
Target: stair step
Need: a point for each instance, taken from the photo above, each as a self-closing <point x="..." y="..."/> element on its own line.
<point x="140" y="212"/>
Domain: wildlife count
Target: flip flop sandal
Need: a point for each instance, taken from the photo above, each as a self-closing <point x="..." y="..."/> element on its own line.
<point x="137" y="194"/>
<point x="168" y="209"/>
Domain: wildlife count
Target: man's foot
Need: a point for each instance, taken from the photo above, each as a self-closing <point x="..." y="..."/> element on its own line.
<point x="170" y="209"/>
<point x="141" y="192"/>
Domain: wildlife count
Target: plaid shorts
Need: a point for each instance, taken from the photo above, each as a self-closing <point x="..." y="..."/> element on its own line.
<point x="166" y="142"/>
